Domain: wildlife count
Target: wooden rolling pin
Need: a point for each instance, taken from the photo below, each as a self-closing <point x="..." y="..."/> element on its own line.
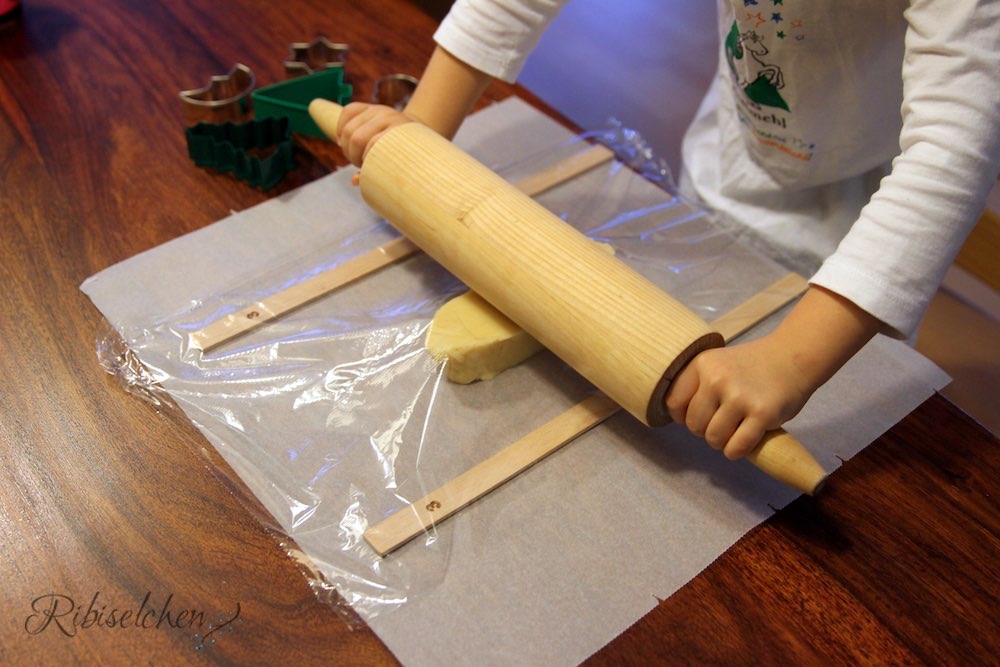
<point x="613" y="326"/>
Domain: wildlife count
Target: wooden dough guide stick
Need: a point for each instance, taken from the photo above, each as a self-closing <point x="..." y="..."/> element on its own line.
<point x="250" y="317"/>
<point x="779" y="454"/>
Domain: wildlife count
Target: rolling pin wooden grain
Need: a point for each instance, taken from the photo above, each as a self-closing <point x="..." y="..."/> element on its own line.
<point x="613" y="326"/>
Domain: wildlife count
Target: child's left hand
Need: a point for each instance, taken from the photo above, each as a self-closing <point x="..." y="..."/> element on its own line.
<point x="732" y="396"/>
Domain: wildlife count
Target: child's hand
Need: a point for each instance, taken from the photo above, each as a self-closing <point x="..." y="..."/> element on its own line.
<point x="362" y="124"/>
<point x="732" y="396"/>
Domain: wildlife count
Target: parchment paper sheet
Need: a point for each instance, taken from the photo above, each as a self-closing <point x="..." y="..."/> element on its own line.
<point x="550" y="567"/>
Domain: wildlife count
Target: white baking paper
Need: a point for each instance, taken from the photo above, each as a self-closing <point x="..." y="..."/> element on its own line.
<point x="548" y="568"/>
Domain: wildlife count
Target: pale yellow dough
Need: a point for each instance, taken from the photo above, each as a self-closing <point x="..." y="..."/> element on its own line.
<point x="478" y="341"/>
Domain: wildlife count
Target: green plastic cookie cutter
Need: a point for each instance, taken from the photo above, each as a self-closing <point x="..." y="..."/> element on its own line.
<point x="291" y="98"/>
<point x="236" y="148"/>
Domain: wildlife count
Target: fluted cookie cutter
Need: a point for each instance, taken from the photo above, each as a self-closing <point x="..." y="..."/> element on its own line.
<point x="225" y="98"/>
<point x="315" y="56"/>
<point x="394" y="90"/>
<point x="239" y="148"/>
<point x="291" y="98"/>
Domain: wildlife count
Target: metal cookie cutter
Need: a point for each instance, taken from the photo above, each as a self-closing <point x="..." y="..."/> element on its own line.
<point x="225" y="98"/>
<point x="237" y="148"/>
<point x="314" y="56"/>
<point x="394" y="90"/>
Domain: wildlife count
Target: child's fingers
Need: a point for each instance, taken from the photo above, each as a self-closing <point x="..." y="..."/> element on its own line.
<point x="745" y="439"/>
<point x="700" y="411"/>
<point x="723" y="425"/>
<point x="679" y="394"/>
<point x="363" y="128"/>
<point x="357" y="132"/>
<point x="350" y="112"/>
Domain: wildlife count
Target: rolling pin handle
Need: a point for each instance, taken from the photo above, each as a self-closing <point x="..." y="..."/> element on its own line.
<point x="326" y="114"/>
<point x="786" y="459"/>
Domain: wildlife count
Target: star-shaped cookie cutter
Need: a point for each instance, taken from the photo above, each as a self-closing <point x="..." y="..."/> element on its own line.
<point x="225" y="98"/>
<point x="314" y="56"/>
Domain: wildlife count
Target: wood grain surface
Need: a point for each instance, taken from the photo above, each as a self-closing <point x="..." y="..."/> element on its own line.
<point x="102" y="495"/>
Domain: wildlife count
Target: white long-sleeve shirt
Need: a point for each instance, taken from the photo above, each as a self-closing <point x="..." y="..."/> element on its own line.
<point x="811" y="104"/>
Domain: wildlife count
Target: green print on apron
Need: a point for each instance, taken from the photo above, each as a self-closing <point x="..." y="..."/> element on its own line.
<point x="763" y="80"/>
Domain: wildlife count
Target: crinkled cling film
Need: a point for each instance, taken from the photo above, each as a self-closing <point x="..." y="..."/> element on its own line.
<point x="336" y="417"/>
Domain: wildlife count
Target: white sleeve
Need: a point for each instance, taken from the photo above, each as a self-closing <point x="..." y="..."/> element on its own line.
<point x="894" y="257"/>
<point x="496" y="36"/>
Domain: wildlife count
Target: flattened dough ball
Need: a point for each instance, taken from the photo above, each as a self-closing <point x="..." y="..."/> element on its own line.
<point x="477" y="340"/>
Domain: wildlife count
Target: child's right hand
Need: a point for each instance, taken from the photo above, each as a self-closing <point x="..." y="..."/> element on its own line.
<point x="362" y="124"/>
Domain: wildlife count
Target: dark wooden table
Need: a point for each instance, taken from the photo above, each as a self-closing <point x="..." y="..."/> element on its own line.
<point x="101" y="496"/>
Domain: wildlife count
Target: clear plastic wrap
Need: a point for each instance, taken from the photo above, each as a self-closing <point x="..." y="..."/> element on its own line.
<point x="336" y="417"/>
